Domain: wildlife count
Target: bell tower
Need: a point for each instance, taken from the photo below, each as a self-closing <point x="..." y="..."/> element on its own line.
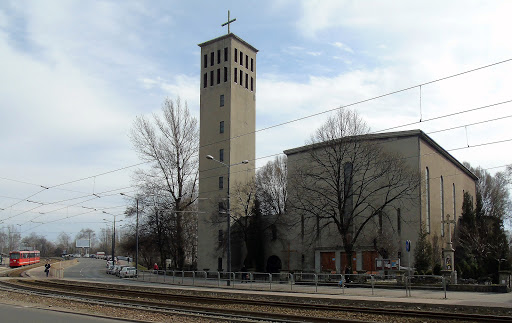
<point x="227" y="143"/>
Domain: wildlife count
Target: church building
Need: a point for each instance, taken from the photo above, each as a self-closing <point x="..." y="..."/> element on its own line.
<point x="227" y="158"/>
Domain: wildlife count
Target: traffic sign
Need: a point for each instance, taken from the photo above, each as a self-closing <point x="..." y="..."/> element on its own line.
<point x="408" y="245"/>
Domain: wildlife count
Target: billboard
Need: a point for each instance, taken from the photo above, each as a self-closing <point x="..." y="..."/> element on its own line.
<point x="83" y="243"/>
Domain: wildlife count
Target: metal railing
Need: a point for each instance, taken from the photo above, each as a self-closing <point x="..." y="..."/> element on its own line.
<point x="298" y="282"/>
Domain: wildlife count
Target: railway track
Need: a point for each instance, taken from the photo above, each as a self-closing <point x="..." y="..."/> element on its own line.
<point x="241" y="309"/>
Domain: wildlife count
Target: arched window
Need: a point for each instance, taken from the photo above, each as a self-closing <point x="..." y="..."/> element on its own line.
<point x="427" y="204"/>
<point x="442" y="206"/>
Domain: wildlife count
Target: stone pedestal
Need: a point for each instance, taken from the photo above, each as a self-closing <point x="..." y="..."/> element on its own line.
<point x="504" y="278"/>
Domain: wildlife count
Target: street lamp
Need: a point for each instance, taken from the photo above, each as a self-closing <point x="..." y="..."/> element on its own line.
<point x="136" y="234"/>
<point x="228" y="215"/>
<point x="113" y="235"/>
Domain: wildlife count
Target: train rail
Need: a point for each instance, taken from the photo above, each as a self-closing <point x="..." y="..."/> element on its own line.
<point x="246" y="308"/>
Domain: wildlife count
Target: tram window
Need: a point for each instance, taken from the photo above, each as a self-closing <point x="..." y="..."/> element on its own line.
<point x="15" y="256"/>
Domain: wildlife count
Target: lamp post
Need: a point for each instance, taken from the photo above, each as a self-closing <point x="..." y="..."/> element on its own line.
<point x="228" y="215"/>
<point x="136" y="234"/>
<point x="113" y="236"/>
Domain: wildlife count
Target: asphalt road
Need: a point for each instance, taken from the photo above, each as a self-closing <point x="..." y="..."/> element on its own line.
<point x="90" y="269"/>
<point x="14" y="313"/>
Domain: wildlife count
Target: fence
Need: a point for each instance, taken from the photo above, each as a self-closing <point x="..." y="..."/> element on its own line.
<point x="387" y="285"/>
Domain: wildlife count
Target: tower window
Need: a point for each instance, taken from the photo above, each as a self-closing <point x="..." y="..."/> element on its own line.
<point x="222" y="100"/>
<point x="222" y="209"/>
<point x="241" y="77"/>
<point x="221" y="127"/>
<point x="218" y="76"/>
<point x="225" y="54"/>
<point x="241" y="58"/>
<point x="211" y="78"/>
<point x="236" y="55"/>
<point x="221" y="155"/>
<point x="246" y="80"/>
<point x="219" y="264"/>
<point x="221" y="237"/>
<point x="252" y="84"/>
<point x="236" y="75"/>
<point x="205" y="80"/>
<point x="221" y="183"/>
<point x="212" y="58"/>
<point x="380" y="222"/>
<point x="205" y="63"/>
<point x="246" y="61"/>
<point x="225" y="74"/>
<point x="218" y="56"/>
<point x="252" y="65"/>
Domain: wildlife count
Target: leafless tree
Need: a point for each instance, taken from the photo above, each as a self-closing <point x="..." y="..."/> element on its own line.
<point x="271" y="187"/>
<point x="169" y="143"/>
<point x="346" y="181"/>
<point x="64" y="242"/>
<point x="13" y="238"/>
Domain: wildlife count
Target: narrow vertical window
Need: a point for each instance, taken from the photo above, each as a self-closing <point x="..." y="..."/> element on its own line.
<point x="211" y="78"/>
<point x="274" y="232"/>
<point x="398" y="221"/>
<point x="225" y="74"/>
<point x="427" y="204"/>
<point x="221" y="127"/>
<point x="380" y="222"/>
<point x="442" y="207"/>
<point x="241" y="58"/>
<point x="317" y="227"/>
<point x="236" y="75"/>
<point x="348" y="189"/>
<point x="219" y="264"/>
<point x="218" y="76"/>
<point x="212" y="58"/>
<point x="221" y="237"/>
<point x="221" y="183"/>
<point x="221" y="155"/>
<point x="454" y="204"/>
<point x="221" y="208"/>
<point x="205" y="63"/>
<point x="241" y="77"/>
<point x="246" y="80"/>
<point x="205" y="80"/>
<point x="218" y="56"/>
<point x="246" y="61"/>
<point x="225" y="54"/>
<point x="236" y="55"/>
<point x="222" y="100"/>
<point x="252" y="84"/>
<point x="252" y="65"/>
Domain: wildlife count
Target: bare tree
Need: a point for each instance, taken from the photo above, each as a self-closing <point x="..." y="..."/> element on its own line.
<point x="170" y="145"/>
<point x="13" y="238"/>
<point x="271" y="187"/>
<point x="346" y="181"/>
<point x="64" y="242"/>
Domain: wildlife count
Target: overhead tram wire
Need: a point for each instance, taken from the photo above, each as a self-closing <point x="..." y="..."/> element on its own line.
<point x="316" y="114"/>
<point x="277" y="154"/>
<point x="299" y="119"/>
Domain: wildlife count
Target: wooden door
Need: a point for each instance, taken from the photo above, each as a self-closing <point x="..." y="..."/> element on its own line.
<point x="327" y="261"/>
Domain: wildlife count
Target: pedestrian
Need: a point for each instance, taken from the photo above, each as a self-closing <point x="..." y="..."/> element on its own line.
<point x="47" y="268"/>
<point x="155" y="268"/>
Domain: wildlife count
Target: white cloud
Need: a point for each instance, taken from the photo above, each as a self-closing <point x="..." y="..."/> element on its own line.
<point x="343" y="47"/>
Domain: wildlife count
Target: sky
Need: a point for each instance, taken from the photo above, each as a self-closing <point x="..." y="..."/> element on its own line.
<point x="74" y="75"/>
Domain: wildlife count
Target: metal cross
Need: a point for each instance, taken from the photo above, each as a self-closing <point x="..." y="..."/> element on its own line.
<point x="228" y="22"/>
<point x="449" y="226"/>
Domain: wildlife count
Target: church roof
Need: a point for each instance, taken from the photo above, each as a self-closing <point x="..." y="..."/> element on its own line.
<point x="389" y="135"/>
<point x="230" y="35"/>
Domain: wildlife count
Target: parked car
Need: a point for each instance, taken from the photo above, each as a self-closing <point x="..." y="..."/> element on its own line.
<point x="118" y="269"/>
<point x="128" y="272"/>
<point x="110" y="268"/>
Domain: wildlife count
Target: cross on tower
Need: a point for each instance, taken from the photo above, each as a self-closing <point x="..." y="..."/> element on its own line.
<point x="228" y="22"/>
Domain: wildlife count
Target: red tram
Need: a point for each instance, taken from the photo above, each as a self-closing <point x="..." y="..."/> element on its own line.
<point x="23" y="258"/>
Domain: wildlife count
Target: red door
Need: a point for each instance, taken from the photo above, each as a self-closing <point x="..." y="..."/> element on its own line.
<point x="327" y="261"/>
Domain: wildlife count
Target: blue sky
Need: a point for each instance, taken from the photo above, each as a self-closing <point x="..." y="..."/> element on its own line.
<point x="75" y="75"/>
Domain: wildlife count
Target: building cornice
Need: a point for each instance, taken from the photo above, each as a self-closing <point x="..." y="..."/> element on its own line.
<point x="230" y="35"/>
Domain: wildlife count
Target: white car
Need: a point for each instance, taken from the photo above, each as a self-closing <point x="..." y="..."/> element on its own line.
<point x="128" y="272"/>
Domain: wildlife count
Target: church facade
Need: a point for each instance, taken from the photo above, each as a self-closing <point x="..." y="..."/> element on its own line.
<point x="437" y="198"/>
